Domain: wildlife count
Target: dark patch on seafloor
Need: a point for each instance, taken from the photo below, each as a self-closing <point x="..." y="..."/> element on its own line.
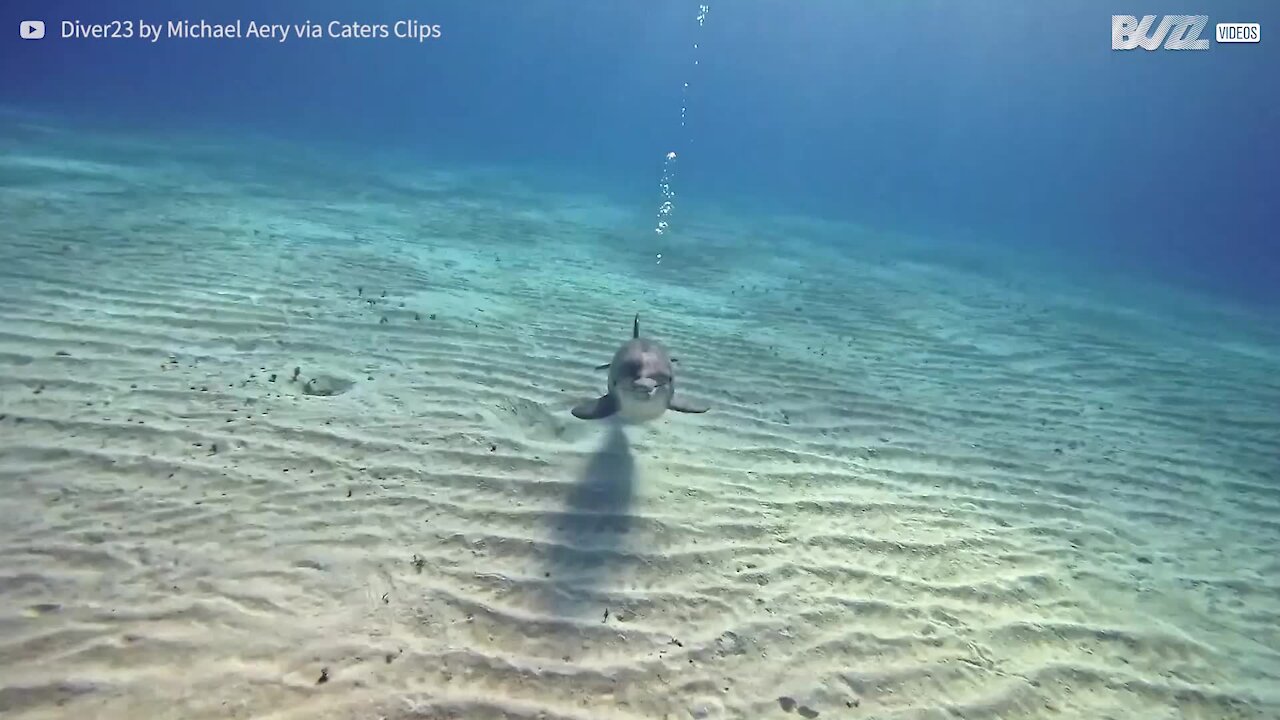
<point x="591" y="531"/>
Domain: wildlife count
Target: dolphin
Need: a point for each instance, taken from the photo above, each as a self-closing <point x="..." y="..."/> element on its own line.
<point x="641" y="384"/>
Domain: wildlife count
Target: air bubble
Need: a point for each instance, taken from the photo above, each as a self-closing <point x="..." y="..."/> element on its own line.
<point x="668" y="166"/>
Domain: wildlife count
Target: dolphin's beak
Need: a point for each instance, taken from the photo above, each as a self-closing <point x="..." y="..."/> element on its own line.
<point x="645" y="385"/>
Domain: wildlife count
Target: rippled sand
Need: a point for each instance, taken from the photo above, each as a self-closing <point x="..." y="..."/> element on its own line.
<point x="282" y="443"/>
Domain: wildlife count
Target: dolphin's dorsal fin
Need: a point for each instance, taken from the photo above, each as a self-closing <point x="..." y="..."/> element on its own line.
<point x="635" y="327"/>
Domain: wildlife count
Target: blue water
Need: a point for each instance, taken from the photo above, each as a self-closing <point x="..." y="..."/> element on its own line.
<point x="1009" y="123"/>
<point x="290" y="334"/>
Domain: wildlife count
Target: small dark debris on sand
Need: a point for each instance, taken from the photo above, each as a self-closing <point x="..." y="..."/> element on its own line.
<point x="788" y="704"/>
<point x="63" y="353"/>
<point x="418" y="562"/>
<point x="326" y="386"/>
<point x="324" y="676"/>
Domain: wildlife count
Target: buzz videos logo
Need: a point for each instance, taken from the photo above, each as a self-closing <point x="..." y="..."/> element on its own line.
<point x="1176" y="32"/>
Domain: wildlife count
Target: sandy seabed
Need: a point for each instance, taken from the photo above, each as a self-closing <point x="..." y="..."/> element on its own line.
<point x="284" y="443"/>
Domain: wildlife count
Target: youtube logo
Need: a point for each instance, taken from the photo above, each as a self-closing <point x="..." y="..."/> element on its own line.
<point x="31" y="29"/>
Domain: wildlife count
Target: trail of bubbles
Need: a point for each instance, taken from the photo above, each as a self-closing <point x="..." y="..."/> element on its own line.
<point x="668" y="195"/>
<point x="666" y="185"/>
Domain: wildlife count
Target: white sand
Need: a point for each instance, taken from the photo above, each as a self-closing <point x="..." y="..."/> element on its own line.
<point x="922" y="492"/>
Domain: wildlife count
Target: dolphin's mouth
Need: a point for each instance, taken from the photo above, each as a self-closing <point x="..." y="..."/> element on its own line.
<point x="645" y="391"/>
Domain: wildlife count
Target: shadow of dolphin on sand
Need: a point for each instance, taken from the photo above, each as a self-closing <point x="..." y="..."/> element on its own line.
<point x="591" y="532"/>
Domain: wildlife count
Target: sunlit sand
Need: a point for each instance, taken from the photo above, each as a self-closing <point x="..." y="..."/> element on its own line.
<point x="282" y="443"/>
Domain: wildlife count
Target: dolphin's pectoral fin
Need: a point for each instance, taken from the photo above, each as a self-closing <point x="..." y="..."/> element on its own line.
<point x="601" y="407"/>
<point x="604" y="366"/>
<point x="679" y="404"/>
